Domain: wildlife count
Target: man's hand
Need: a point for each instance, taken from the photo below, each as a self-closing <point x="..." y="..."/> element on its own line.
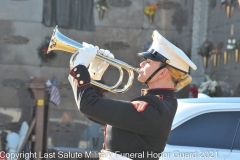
<point x="83" y="56"/>
<point x="98" y="67"/>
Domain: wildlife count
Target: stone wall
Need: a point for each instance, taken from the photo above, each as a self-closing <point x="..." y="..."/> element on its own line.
<point x="220" y="30"/>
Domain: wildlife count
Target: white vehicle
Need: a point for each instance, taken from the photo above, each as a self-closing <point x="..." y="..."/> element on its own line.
<point x="205" y="128"/>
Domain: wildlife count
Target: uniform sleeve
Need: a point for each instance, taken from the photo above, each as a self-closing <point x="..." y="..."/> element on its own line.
<point x="96" y="121"/>
<point x="120" y="114"/>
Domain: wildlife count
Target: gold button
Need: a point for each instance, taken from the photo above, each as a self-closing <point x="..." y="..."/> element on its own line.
<point x="75" y="69"/>
<point x="78" y="75"/>
<point x="81" y="82"/>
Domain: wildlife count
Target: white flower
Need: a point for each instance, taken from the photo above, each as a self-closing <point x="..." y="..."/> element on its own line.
<point x="213" y="86"/>
<point x="234" y="41"/>
<point x="204" y="86"/>
<point x="229" y="41"/>
<point x="229" y="46"/>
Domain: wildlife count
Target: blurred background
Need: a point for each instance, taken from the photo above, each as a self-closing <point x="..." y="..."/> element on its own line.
<point x="207" y="31"/>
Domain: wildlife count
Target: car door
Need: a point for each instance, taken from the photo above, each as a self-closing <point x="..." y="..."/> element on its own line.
<point x="206" y="136"/>
<point x="235" y="153"/>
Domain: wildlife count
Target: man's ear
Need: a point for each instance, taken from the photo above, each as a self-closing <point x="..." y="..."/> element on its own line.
<point x="163" y="73"/>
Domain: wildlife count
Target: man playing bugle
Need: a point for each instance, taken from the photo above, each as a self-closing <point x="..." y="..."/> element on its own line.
<point x="136" y="129"/>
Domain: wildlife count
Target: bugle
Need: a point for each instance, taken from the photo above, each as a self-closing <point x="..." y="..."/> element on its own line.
<point x="60" y="42"/>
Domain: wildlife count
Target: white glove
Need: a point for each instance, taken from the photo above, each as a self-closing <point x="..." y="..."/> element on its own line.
<point x="83" y="56"/>
<point x="98" y="67"/>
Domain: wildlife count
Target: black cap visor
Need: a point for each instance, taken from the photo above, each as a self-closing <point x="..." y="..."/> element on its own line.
<point x="153" y="55"/>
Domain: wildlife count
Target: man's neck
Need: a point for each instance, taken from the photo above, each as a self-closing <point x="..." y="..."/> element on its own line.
<point x="161" y="84"/>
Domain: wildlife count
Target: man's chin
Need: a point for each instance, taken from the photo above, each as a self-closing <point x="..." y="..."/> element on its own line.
<point x="140" y="79"/>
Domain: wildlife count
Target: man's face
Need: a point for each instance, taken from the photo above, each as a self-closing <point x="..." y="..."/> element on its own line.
<point x="147" y="68"/>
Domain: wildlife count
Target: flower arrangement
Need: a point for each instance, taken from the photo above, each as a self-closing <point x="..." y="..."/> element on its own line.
<point x="103" y="4"/>
<point x="150" y="10"/>
<point x="42" y="50"/>
<point x="232" y="45"/>
<point x="208" y="87"/>
<point x="213" y="54"/>
<point x="228" y="5"/>
<point x="233" y="48"/>
<point x="205" y="49"/>
<point x="215" y="89"/>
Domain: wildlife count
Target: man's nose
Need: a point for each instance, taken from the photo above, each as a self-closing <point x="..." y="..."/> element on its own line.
<point x="142" y="64"/>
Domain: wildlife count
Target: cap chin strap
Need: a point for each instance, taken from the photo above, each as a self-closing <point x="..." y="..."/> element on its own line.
<point x="161" y="67"/>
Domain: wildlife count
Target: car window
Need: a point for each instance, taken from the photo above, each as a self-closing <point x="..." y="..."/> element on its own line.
<point x="211" y="130"/>
<point x="237" y="140"/>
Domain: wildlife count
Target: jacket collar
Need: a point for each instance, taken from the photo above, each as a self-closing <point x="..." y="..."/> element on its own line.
<point x="158" y="91"/>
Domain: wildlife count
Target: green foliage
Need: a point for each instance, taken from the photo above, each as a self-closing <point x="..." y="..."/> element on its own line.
<point x="42" y="51"/>
<point x="205" y="49"/>
<point x="103" y="4"/>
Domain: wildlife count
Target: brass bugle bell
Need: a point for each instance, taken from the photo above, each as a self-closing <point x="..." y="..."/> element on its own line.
<point x="60" y="42"/>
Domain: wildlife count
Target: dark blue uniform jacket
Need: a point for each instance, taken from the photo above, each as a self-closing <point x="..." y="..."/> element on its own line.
<point x="140" y="126"/>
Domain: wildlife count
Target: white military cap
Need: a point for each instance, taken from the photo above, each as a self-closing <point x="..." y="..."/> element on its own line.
<point x="164" y="51"/>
